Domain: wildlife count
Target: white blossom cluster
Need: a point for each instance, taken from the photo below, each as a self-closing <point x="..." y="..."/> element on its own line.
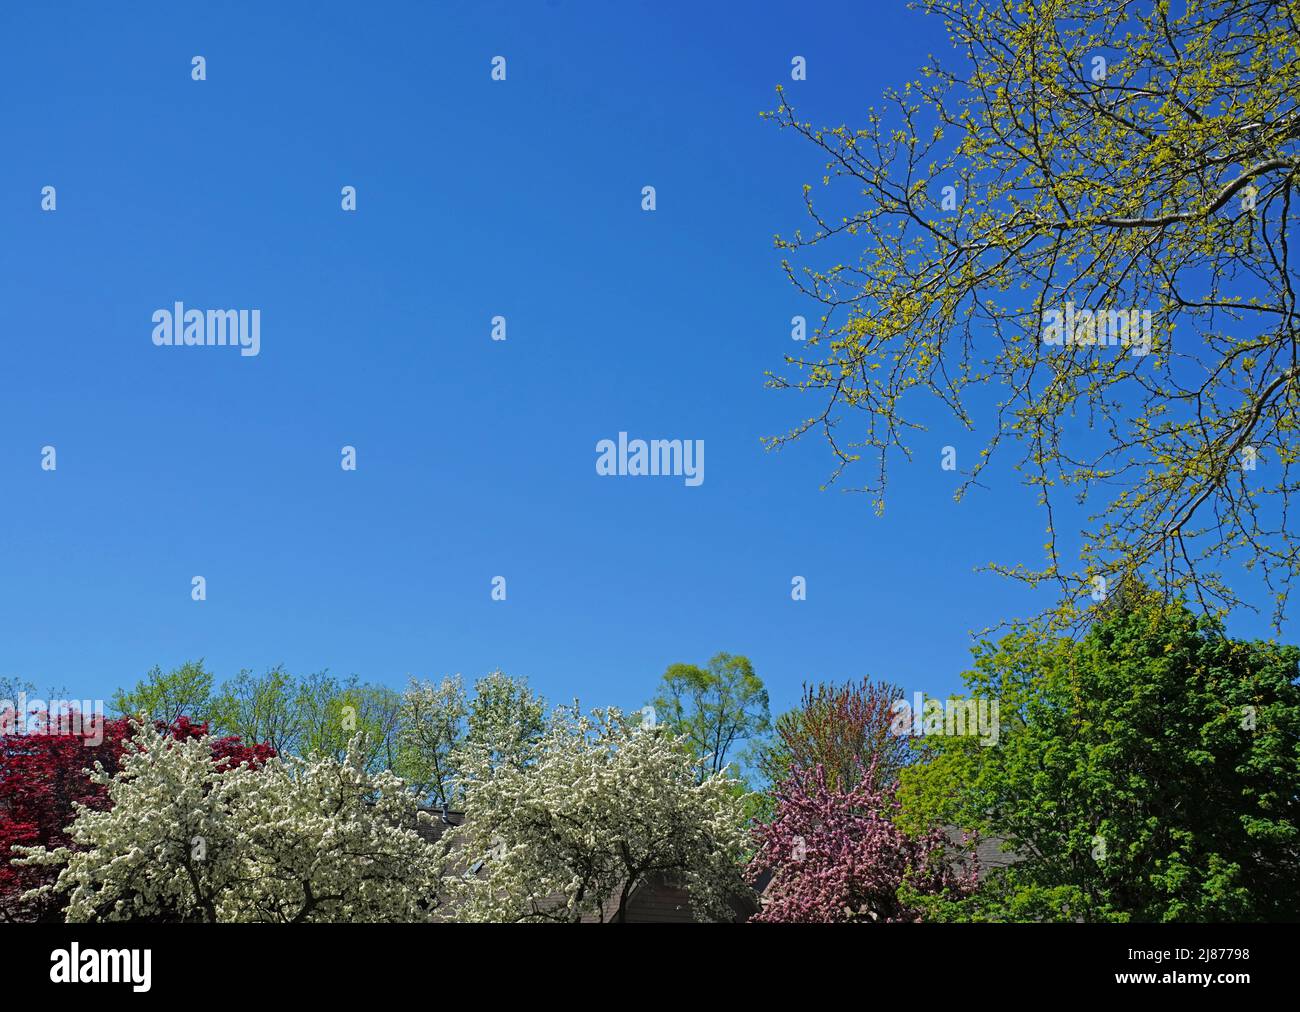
<point x="442" y="728"/>
<point x="561" y="825"/>
<point x="292" y="840"/>
<point x="599" y="807"/>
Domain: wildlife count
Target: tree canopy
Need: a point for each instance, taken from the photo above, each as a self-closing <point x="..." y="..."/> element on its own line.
<point x="1149" y="771"/>
<point x="1076" y="168"/>
<point x="713" y="708"/>
<point x="188" y="836"/>
<point x="603" y="807"/>
<point x="844" y="729"/>
<point x="444" y="728"/>
<point x="835" y="854"/>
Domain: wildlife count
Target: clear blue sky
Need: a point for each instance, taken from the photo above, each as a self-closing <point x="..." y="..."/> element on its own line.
<point x="476" y="458"/>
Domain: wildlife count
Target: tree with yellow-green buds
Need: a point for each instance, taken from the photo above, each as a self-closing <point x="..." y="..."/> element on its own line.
<point x="1085" y="209"/>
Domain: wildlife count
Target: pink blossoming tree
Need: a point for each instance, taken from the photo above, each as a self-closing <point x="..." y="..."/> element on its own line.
<point x="834" y="854"/>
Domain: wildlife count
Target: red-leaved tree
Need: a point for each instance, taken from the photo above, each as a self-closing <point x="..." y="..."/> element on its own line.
<point x="834" y="854"/>
<point x="45" y="763"/>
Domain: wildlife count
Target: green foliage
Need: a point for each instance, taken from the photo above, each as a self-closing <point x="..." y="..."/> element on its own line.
<point x="264" y="709"/>
<point x="431" y="737"/>
<point x="713" y="708"/>
<point x="182" y="692"/>
<point x="1149" y="771"/>
<point x="333" y="712"/>
<point x="419" y="734"/>
<point x="443" y="730"/>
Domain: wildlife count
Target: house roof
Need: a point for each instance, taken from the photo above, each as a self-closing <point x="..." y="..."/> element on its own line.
<point x="443" y="820"/>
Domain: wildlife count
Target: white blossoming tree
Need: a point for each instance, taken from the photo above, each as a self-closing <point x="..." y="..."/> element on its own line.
<point x="288" y="840"/>
<point x="432" y="732"/>
<point x="505" y="720"/>
<point x="441" y="723"/>
<point x="602" y="807"/>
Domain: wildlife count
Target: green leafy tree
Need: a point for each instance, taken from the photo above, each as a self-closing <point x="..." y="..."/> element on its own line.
<point x="334" y="712"/>
<point x="185" y="691"/>
<point x="431" y="737"/>
<point x="443" y="731"/>
<point x="1087" y="161"/>
<point x="261" y="708"/>
<point x="1149" y="771"/>
<point x="713" y="708"/>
